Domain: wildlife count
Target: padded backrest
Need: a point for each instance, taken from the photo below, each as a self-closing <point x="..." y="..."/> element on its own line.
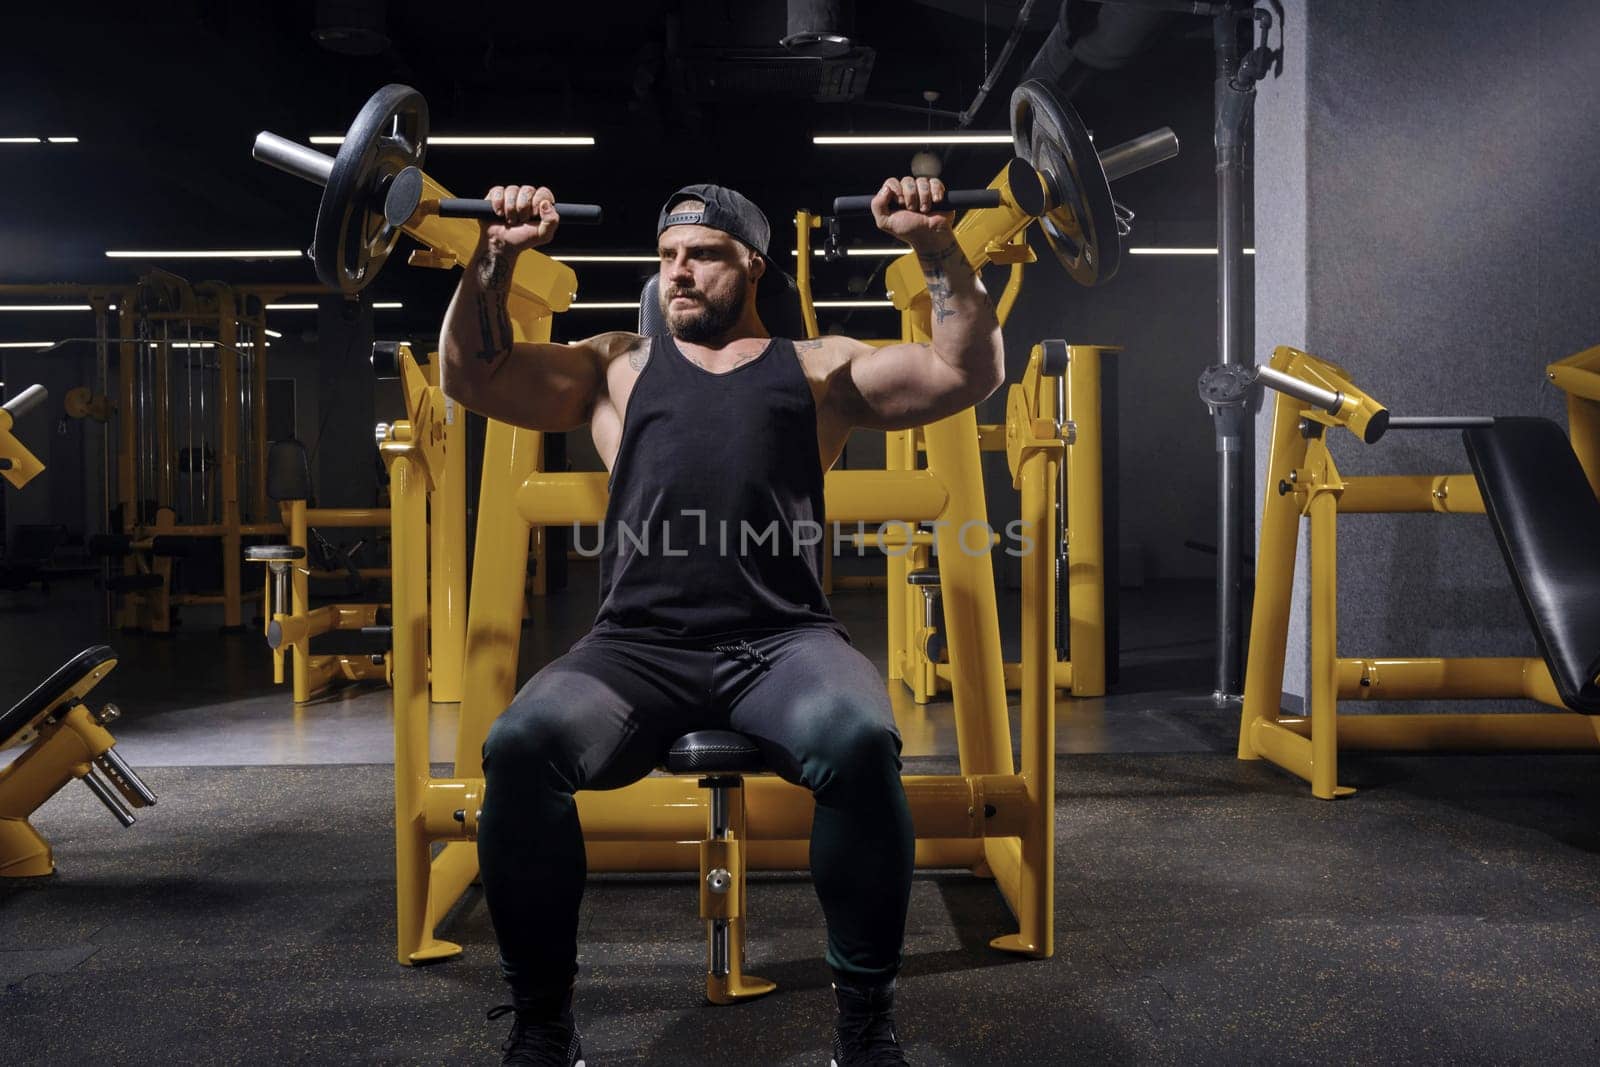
<point x="52" y="690"/>
<point x="651" y="322"/>
<point x="288" y="471"/>
<point x="777" y="302"/>
<point x="1547" y="521"/>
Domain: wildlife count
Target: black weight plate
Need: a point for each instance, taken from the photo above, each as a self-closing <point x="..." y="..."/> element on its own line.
<point x="353" y="238"/>
<point x="1082" y="222"/>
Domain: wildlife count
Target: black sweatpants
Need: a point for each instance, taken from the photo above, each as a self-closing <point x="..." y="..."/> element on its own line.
<point x="603" y="716"/>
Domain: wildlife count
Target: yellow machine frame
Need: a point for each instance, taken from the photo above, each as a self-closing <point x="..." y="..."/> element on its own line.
<point x="21" y="466"/>
<point x="290" y="633"/>
<point x="1302" y="480"/>
<point x="996" y="236"/>
<point x="988" y="818"/>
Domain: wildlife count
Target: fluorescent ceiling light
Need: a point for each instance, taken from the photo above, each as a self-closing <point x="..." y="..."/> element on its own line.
<point x="992" y="137"/>
<point x="62" y="140"/>
<point x="208" y="253"/>
<point x="202" y="344"/>
<point x="506" y="141"/>
<point x="45" y="307"/>
<point x="618" y="258"/>
<point x="274" y="333"/>
<point x="902" y="250"/>
<point x="20" y="140"/>
<point x="26" y="344"/>
<point x="385" y="305"/>
<point x="853" y="304"/>
<point x="1180" y="251"/>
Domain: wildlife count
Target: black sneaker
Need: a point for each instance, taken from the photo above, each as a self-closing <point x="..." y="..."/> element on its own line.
<point x="540" y="1041"/>
<point x="864" y="1035"/>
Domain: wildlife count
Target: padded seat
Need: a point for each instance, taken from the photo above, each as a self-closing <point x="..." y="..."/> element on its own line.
<point x="51" y="689"/>
<point x="720" y="758"/>
<point x="1547" y="521"/>
<point x="715" y="752"/>
<point x="274" y="553"/>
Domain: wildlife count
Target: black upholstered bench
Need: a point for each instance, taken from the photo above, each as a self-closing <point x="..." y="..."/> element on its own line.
<point x="721" y="759"/>
<point x="1547" y="521"/>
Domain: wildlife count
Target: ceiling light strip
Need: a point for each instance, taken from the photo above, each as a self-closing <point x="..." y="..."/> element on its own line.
<point x="465" y="141"/>
<point x="901" y="251"/>
<point x="1151" y="251"/>
<point x="384" y="305"/>
<point x="206" y="253"/>
<point x="45" y="307"/>
<point x="858" y="139"/>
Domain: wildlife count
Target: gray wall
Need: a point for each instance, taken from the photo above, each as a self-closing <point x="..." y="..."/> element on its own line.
<point x="1425" y="197"/>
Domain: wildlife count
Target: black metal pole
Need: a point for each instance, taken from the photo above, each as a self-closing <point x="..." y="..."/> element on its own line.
<point x="1233" y="107"/>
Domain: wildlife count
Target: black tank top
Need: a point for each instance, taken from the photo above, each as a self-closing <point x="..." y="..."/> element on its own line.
<point x="715" y="523"/>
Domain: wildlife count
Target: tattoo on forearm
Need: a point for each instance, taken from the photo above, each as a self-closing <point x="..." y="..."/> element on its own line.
<point x="494" y="272"/>
<point x="494" y="321"/>
<point x="494" y="327"/>
<point x="934" y="270"/>
<point x="808" y="346"/>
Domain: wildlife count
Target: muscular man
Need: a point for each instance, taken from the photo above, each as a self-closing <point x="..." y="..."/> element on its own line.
<point x="712" y="613"/>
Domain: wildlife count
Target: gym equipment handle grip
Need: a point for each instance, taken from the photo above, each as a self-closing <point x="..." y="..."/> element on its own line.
<point x="458" y="208"/>
<point x="27" y="400"/>
<point x="954" y="200"/>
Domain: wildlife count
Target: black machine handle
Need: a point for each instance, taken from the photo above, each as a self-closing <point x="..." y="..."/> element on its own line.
<point x="455" y="207"/>
<point x="954" y="200"/>
<point x="26" y="401"/>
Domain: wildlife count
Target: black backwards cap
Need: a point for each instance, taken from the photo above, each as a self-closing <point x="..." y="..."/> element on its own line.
<point x="731" y="212"/>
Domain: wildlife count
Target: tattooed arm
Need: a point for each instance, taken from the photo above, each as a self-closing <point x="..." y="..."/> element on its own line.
<point x="550" y="387"/>
<point x="900" y="386"/>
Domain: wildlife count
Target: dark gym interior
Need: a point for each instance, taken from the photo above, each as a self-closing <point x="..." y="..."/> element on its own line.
<point x="1392" y="202"/>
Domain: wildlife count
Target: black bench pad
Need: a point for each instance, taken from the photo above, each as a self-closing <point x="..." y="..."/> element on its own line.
<point x="715" y="752"/>
<point x="51" y="689"/>
<point x="1547" y="521"/>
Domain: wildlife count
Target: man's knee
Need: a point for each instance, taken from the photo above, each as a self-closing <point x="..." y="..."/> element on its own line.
<point x="532" y="739"/>
<point x="852" y="743"/>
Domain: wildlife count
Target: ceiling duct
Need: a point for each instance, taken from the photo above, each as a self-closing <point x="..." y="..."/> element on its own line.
<point x="740" y="51"/>
<point x="817" y="29"/>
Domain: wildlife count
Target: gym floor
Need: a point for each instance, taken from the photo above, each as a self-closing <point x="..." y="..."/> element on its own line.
<point x="1208" y="910"/>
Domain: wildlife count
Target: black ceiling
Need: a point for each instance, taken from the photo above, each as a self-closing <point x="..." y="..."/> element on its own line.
<point x="168" y="98"/>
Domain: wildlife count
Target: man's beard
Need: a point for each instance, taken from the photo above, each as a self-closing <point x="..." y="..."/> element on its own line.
<point x="710" y="321"/>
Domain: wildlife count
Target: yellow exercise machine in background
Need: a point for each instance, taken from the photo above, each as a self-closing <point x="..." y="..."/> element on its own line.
<point x="292" y="623"/>
<point x="180" y="382"/>
<point x="1303" y="480"/>
<point x="65" y="739"/>
<point x="18" y="465"/>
